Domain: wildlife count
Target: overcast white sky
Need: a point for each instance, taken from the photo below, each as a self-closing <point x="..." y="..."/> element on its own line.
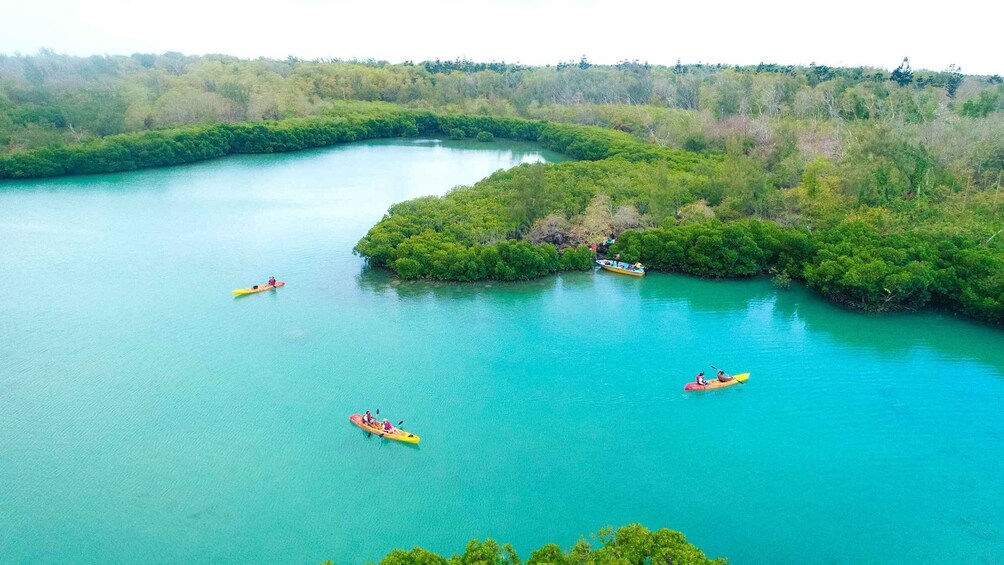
<point x="836" y="32"/>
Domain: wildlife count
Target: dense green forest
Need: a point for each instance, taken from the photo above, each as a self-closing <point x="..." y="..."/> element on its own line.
<point x="630" y="545"/>
<point x="712" y="216"/>
<point x="880" y="189"/>
<point x="786" y="116"/>
<point x="917" y="123"/>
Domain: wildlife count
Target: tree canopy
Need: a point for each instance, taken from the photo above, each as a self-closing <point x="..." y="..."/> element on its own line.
<point x="629" y="545"/>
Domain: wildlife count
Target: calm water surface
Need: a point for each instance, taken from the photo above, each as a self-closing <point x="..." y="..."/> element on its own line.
<point x="147" y="416"/>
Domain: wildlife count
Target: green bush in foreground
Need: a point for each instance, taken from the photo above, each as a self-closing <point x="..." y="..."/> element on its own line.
<point x="630" y="545"/>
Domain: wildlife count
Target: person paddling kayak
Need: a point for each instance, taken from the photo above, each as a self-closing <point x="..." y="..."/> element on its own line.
<point x="387" y="427"/>
<point x="271" y="281"/>
<point x="723" y="377"/>
<point x="701" y="380"/>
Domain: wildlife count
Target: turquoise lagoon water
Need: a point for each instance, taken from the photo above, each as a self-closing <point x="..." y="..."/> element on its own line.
<point x="147" y="416"/>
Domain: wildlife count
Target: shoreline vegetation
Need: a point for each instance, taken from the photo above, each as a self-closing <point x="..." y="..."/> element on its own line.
<point x="349" y="122"/>
<point x="633" y="544"/>
<point x="879" y="190"/>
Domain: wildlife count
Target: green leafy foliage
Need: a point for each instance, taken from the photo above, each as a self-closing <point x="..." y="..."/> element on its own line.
<point x="630" y="545"/>
<point x="576" y="259"/>
<point x="474" y="233"/>
<point x="715" y="249"/>
<point x="982" y="105"/>
<point x="185" y="145"/>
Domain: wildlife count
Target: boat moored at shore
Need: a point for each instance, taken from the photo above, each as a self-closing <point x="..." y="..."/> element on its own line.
<point x="635" y="270"/>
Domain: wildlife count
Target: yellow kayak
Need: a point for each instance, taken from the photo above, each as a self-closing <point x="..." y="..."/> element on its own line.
<point x="258" y="288"/>
<point x="396" y="434"/>
<point x="715" y="383"/>
<point x="636" y="270"/>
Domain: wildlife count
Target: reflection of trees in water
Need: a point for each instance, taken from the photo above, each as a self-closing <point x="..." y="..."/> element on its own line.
<point x="887" y="335"/>
<point x="891" y="334"/>
<point x="380" y="281"/>
<point x="704" y="295"/>
<point x="518" y="151"/>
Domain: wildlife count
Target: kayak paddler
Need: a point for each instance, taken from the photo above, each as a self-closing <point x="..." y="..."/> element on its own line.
<point x="723" y="377"/>
<point x="701" y="380"/>
<point x="271" y="281"/>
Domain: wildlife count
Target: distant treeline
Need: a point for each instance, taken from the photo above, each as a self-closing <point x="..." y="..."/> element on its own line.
<point x="101" y="95"/>
<point x="126" y="152"/>
<point x="783" y="116"/>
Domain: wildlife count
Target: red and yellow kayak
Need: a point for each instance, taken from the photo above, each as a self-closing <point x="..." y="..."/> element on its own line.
<point x="261" y="288"/>
<point x="395" y="434"/>
<point x="715" y="383"/>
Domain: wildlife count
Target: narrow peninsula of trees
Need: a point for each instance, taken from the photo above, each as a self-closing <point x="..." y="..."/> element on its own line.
<point x="708" y="215"/>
